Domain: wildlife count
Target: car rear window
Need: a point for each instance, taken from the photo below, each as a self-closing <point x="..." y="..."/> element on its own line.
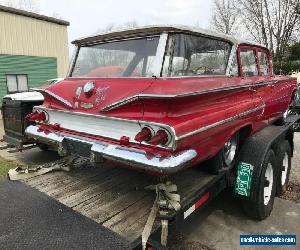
<point x="190" y="55"/>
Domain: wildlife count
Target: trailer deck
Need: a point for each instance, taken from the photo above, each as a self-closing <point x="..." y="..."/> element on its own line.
<point x="115" y="197"/>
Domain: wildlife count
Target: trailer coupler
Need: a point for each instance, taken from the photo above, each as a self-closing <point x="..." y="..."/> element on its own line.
<point x="65" y="164"/>
<point x="167" y="200"/>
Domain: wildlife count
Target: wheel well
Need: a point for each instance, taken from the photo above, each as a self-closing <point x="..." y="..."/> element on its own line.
<point x="244" y="132"/>
<point x="294" y="95"/>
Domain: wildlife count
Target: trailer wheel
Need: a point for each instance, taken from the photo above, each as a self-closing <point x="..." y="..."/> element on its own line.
<point x="284" y="168"/>
<point x="265" y="192"/>
<point x="226" y="158"/>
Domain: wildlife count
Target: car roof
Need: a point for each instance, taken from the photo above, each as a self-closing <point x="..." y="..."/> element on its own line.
<point x="155" y="30"/>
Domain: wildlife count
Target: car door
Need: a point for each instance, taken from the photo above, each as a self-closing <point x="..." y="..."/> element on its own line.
<point x="261" y="82"/>
<point x="270" y="89"/>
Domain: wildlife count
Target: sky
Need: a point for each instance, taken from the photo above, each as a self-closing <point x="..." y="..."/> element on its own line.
<point x="89" y="16"/>
<point x="86" y="17"/>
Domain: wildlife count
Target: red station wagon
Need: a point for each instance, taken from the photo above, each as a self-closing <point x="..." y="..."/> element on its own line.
<point x="162" y="98"/>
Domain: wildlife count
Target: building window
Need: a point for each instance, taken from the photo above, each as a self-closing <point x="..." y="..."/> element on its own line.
<point x="16" y="83"/>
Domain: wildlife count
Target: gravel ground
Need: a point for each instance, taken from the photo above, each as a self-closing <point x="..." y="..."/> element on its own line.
<point x="292" y="193"/>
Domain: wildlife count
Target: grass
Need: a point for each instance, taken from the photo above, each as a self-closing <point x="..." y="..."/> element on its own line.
<point x="5" y="165"/>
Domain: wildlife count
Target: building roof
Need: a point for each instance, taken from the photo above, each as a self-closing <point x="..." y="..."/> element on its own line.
<point x="157" y="29"/>
<point x="33" y="15"/>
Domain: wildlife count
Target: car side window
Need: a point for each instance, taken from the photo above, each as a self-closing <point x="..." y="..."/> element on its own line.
<point x="248" y="62"/>
<point x="263" y="63"/>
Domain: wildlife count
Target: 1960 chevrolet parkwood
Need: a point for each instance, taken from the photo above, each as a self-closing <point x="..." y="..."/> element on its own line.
<point x="161" y="99"/>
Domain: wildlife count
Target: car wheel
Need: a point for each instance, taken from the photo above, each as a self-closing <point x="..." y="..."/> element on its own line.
<point x="262" y="207"/>
<point x="282" y="120"/>
<point x="226" y="158"/>
<point x="285" y="161"/>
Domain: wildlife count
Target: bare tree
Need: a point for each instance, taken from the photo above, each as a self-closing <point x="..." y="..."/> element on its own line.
<point x="28" y="5"/>
<point x="225" y="17"/>
<point x="112" y="27"/>
<point x="271" y="22"/>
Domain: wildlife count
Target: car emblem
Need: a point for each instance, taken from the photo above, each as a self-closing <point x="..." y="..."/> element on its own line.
<point x="88" y="88"/>
<point x="86" y="105"/>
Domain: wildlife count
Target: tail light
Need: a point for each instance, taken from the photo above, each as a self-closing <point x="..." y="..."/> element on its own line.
<point x="161" y="138"/>
<point x="36" y="117"/>
<point x="144" y="135"/>
<point x="147" y="134"/>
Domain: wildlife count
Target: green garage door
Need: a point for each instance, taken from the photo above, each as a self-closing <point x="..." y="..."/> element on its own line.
<point x="16" y="72"/>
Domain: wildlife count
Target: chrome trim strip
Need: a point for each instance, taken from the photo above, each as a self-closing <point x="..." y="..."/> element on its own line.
<point x="129" y="156"/>
<point x="133" y="157"/>
<point x="57" y="97"/>
<point x="215" y="90"/>
<point x="219" y="123"/>
<point x="141" y="123"/>
<point x="166" y="126"/>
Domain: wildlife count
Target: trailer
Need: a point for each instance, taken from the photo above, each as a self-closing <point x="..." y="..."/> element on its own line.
<point x="141" y="210"/>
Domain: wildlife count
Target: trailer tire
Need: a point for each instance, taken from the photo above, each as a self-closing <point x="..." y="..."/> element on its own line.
<point x="262" y="207"/>
<point x="284" y="167"/>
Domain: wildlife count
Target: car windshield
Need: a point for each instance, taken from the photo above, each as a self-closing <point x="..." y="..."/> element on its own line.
<point x="124" y="58"/>
<point x="191" y="55"/>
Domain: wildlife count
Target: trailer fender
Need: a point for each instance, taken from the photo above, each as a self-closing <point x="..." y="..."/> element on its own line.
<point x="253" y="153"/>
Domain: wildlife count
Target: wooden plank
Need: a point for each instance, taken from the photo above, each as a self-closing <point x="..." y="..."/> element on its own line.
<point x="113" y="196"/>
<point x="71" y="182"/>
<point x="43" y="178"/>
<point x="131" y="222"/>
<point x="86" y="193"/>
<point x="61" y="181"/>
<point x="79" y="165"/>
<point x="110" y="202"/>
<point x="190" y="182"/>
<point x="50" y="177"/>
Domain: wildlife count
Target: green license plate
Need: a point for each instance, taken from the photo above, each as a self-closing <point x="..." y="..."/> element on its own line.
<point x="244" y="179"/>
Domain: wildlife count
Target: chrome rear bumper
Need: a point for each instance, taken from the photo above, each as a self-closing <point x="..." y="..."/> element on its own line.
<point x="129" y="156"/>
